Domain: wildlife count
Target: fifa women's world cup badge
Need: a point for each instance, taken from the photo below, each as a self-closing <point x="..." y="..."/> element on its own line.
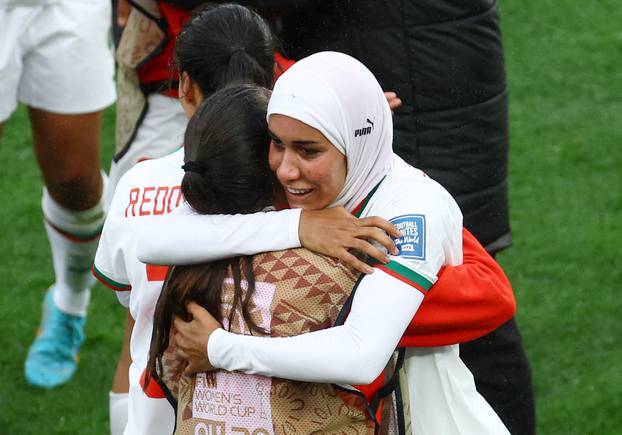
<point x="412" y="242"/>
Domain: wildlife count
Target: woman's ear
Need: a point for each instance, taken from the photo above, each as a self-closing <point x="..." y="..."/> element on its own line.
<point x="185" y="86"/>
<point x="189" y="94"/>
<point x="189" y="91"/>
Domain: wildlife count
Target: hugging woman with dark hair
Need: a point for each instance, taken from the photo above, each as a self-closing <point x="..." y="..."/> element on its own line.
<point x="226" y="172"/>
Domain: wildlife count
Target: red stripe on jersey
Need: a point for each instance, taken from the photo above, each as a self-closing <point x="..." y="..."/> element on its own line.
<point x="156" y="273"/>
<point x="401" y="278"/>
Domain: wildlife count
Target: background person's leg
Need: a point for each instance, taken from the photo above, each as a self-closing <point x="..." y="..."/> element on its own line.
<point x="67" y="150"/>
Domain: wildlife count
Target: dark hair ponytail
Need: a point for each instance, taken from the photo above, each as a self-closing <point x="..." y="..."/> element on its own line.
<point x="226" y="163"/>
<point x="227" y="139"/>
<point x="223" y="44"/>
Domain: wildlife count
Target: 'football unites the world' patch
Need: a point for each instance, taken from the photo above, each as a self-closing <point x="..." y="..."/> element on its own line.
<point x="412" y="242"/>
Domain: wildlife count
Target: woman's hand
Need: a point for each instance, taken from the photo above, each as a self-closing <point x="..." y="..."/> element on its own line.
<point x="123" y="12"/>
<point x="191" y="338"/>
<point x="334" y="232"/>
<point x="393" y="100"/>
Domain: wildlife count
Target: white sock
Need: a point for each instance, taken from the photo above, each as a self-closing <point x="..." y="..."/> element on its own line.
<point x="117" y="408"/>
<point x="73" y="237"/>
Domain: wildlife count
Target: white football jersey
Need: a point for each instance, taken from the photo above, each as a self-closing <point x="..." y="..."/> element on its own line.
<point x="148" y="191"/>
<point x="428" y="218"/>
<point x="441" y="390"/>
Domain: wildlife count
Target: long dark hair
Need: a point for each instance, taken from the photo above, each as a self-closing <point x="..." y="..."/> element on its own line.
<point x="223" y="44"/>
<point x="226" y="163"/>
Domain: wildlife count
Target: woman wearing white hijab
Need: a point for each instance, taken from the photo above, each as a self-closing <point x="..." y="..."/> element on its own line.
<point x="332" y="146"/>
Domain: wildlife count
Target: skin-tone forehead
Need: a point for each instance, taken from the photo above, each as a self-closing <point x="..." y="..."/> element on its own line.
<point x="291" y="130"/>
<point x="295" y="132"/>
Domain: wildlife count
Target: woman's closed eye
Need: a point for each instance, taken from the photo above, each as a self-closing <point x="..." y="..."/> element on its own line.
<point x="276" y="143"/>
<point x="307" y="151"/>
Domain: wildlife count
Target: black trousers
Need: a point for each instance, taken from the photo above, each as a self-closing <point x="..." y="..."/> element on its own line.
<point x="503" y="376"/>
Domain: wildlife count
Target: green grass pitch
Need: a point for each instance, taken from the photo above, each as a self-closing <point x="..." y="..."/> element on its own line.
<point x="564" y="64"/>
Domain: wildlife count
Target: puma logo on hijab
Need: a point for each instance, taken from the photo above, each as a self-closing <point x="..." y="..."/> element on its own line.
<point x="365" y="130"/>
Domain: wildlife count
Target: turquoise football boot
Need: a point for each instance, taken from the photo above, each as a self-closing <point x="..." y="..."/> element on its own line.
<point x="53" y="356"/>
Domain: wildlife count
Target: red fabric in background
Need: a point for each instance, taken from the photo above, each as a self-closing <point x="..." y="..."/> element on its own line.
<point x="465" y="303"/>
<point x="161" y="68"/>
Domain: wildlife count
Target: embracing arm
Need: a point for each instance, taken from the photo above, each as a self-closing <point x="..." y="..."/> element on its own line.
<point x="185" y="237"/>
<point x="353" y="353"/>
<point x="467" y="302"/>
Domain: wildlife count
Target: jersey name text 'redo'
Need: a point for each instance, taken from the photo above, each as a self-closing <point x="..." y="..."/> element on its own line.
<point x="152" y="200"/>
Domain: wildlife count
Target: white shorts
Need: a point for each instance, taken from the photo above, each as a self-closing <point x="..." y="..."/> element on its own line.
<point x="160" y="133"/>
<point x="56" y="57"/>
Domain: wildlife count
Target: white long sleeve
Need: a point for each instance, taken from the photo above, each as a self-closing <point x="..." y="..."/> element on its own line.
<point x="353" y="353"/>
<point x="185" y="237"/>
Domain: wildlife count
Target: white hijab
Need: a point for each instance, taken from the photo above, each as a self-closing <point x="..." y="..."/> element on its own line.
<point x="337" y="95"/>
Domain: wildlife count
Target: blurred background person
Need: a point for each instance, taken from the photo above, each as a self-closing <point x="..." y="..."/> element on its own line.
<point x="55" y="58"/>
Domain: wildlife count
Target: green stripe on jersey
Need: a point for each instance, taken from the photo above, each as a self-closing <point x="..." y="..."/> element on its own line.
<point x="359" y="209"/>
<point x="404" y="271"/>
<point x="109" y="281"/>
